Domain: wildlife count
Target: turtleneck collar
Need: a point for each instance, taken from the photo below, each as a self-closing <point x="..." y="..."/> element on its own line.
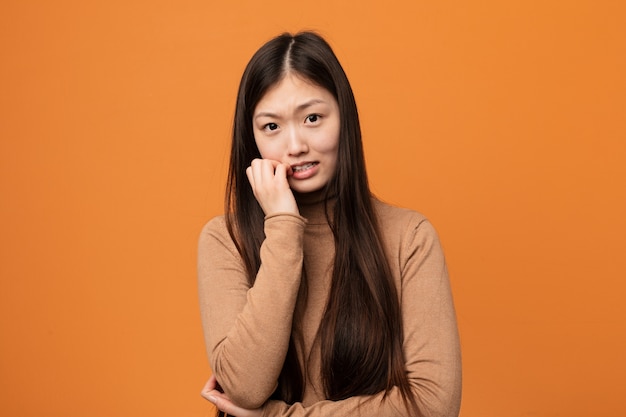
<point x="312" y="206"/>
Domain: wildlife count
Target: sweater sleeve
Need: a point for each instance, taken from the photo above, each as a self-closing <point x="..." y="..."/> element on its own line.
<point x="431" y="342"/>
<point x="246" y="328"/>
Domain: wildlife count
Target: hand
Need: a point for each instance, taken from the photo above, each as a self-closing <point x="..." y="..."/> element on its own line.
<point x="222" y="402"/>
<point x="268" y="179"/>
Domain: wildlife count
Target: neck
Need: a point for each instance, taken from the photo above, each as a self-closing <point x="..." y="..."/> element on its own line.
<point x="312" y="206"/>
<point x="313" y="197"/>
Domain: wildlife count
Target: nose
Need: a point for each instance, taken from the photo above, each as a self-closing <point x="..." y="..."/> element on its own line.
<point x="297" y="144"/>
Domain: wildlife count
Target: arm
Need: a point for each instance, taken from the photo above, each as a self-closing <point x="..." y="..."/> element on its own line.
<point x="431" y="343"/>
<point x="247" y="329"/>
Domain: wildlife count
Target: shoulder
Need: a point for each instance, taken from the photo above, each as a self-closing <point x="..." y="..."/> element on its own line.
<point x="215" y="234"/>
<point x="404" y="229"/>
<point x="397" y="218"/>
<point x="411" y="242"/>
<point x="217" y="225"/>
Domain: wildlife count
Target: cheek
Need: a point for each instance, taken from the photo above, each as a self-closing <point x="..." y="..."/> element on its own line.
<point x="265" y="149"/>
<point x="334" y="149"/>
<point x="329" y="148"/>
<point x="328" y="143"/>
<point x="270" y="151"/>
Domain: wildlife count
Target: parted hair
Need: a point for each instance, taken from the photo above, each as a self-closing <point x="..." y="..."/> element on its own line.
<point x="361" y="330"/>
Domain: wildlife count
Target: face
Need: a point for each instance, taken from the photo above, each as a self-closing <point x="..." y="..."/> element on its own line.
<point x="297" y="123"/>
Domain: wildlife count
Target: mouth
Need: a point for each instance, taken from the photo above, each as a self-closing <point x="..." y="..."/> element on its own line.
<point x="303" y="167"/>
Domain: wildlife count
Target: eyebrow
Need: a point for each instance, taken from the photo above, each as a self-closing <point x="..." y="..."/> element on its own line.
<point x="300" y="107"/>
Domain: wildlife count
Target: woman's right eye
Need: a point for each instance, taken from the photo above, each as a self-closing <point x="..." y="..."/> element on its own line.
<point x="270" y="126"/>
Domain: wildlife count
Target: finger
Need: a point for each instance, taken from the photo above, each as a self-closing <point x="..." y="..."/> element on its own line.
<point x="286" y="168"/>
<point x="221" y="402"/>
<point x="250" y="177"/>
<point x="277" y="170"/>
<point x="257" y="172"/>
<point x="289" y="170"/>
<point x="262" y="172"/>
<point x="281" y="171"/>
<point x="274" y="162"/>
<point x="208" y="394"/>
<point x="211" y="384"/>
<point x="267" y="169"/>
<point x="225" y="405"/>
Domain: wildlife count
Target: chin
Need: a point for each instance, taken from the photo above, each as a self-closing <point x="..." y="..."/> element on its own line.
<point x="306" y="188"/>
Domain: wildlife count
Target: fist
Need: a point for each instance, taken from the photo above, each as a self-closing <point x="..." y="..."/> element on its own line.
<point x="268" y="179"/>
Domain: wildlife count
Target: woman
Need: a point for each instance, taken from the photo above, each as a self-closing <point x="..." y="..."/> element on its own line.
<point x="317" y="299"/>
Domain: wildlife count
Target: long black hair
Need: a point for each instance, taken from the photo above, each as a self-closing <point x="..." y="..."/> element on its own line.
<point x="361" y="348"/>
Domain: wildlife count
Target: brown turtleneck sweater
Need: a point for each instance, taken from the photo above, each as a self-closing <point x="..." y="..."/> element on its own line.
<point x="247" y="329"/>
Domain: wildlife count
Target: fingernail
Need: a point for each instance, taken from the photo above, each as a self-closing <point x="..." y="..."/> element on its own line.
<point x="212" y="399"/>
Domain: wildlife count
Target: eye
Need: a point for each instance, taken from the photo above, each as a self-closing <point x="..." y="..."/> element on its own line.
<point x="270" y="126"/>
<point x="313" y="118"/>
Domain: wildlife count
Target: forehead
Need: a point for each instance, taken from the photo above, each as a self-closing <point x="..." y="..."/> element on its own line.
<point x="293" y="90"/>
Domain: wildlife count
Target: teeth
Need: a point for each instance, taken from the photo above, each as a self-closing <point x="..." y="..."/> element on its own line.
<point x="302" y="167"/>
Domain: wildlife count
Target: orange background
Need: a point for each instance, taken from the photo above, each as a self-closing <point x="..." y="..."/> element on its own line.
<point x="503" y="121"/>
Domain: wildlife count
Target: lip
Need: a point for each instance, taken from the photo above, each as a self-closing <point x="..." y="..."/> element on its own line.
<point x="305" y="173"/>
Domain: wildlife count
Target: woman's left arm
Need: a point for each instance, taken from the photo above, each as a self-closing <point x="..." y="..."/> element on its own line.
<point x="431" y="343"/>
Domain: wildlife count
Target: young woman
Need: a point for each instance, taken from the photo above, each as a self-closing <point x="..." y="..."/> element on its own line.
<point x="317" y="299"/>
